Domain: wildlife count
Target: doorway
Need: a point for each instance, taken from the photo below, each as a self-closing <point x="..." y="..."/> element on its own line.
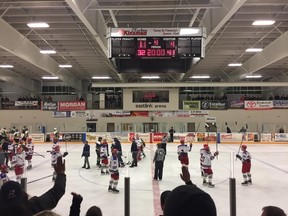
<point x="150" y="127"/>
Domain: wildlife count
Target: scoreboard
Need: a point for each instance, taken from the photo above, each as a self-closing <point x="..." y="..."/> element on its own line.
<point x="153" y="43"/>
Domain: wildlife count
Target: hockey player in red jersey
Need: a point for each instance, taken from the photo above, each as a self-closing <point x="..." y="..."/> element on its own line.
<point x="114" y="171"/>
<point x="182" y="151"/>
<point x="3" y="174"/>
<point x="104" y="154"/>
<point x="29" y="149"/>
<point x="205" y="159"/>
<point x="18" y="163"/>
<point x="55" y="154"/>
<point x="245" y="157"/>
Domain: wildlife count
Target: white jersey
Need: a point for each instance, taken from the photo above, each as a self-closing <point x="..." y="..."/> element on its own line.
<point x="54" y="157"/>
<point x="139" y="142"/>
<point x="246" y="156"/>
<point x="18" y="159"/>
<point x="114" y="164"/>
<point x="30" y="148"/>
<point x="205" y="159"/>
<point x="183" y="149"/>
<point x="103" y="151"/>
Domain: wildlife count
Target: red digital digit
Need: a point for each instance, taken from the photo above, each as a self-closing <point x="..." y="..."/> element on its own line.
<point x="141" y="52"/>
<point x="172" y="44"/>
<point x="155" y="42"/>
<point x="148" y="52"/>
<point x="141" y="44"/>
<point x="170" y="52"/>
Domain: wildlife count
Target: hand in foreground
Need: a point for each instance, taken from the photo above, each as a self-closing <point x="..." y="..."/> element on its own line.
<point x="60" y="166"/>
<point x="77" y="198"/>
<point x="185" y="175"/>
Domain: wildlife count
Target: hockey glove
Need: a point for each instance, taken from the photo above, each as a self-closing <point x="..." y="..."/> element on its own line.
<point x="238" y="156"/>
<point x="65" y="154"/>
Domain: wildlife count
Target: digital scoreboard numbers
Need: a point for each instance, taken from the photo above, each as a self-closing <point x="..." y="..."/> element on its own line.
<point x="155" y="43"/>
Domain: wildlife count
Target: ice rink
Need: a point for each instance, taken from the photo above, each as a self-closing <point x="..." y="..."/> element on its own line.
<point x="269" y="175"/>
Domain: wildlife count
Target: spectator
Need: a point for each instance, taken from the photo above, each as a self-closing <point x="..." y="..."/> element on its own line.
<point x="20" y="205"/>
<point x="228" y="130"/>
<point x="94" y="211"/>
<point x="46" y="213"/>
<point x="272" y="211"/>
<point x="163" y="198"/>
<point x="281" y="130"/>
<point x="189" y="199"/>
<point x="171" y="132"/>
<point x="86" y="154"/>
<point x="76" y="204"/>
<point x="159" y="158"/>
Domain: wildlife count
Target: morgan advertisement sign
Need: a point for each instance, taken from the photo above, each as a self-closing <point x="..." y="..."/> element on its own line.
<point x="71" y="105"/>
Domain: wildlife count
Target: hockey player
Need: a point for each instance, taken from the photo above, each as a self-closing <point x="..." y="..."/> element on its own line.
<point x="55" y="154"/>
<point x="29" y="149"/>
<point x="141" y="145"/>
<point x="182" y="151"/>
<point x="104" y="154"/>
<point x="17" y="137"/>
<point x="98" y="143"/>
<point x="18" y="163"/>
<point x="205" y="159"/>
<point x="114" y="170"/>
<point x="56" y="134"/>
<point x="245" y="157"/>
<point x="117" y="145"/>
<point x="3" y="174"/>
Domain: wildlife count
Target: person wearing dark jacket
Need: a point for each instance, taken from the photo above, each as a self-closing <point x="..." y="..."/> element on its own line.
<point x="117" y="145"/>
<point x="14" y="201"/>
<point x="134" y="151"/>
<point x="86" y="155"/>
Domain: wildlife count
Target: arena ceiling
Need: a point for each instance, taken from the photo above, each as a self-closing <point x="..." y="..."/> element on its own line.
<point x="77" y="32"/>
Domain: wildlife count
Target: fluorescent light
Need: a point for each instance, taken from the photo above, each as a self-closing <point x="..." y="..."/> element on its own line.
<point x="50" y="78"/>
<point x="6" y="66"/>
<point x="65" y="66"/>
<point x="253" y="76"/>
<point x="263" y="22"/>
<point x="38" y="25"/>
<point x="187" y="90"/>
<point x="200" y="77"/>
<point x="150" y="77"/>
<point x="188" y="31"/>
<point x="234" y="64"/>
<point x="101" y="77"/>
<point x="254" y="50"/>
<point x="47" y="51"/>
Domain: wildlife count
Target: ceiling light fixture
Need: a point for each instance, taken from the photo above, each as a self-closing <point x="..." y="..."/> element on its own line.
<point x="101" y="77"/>
<point x="65" y="66"/>
<point x="50" y="78"/>
<point x="150" y="77"/>
<point x="263" y="22"/>
<point x="6" y="66"/>
<point x="200" y="77"/>
<point x="253" y="76"/>
<point x="47" y="51"/>
<point x="38" y="25"/>
<point x="234" y="64"/>
<point x="254" y="50"/>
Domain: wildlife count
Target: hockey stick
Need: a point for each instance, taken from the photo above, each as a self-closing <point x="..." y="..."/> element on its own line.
<point x="240" y="145"/>
<point x="37" y="154"/>
<point x="66" y="152"/>
<point x="216" y="138"/>
<point x="39" y="179"/>
<point x="208" y="129"/>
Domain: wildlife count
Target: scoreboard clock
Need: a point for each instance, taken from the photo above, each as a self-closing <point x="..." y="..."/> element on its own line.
<point x="153" y="43"/>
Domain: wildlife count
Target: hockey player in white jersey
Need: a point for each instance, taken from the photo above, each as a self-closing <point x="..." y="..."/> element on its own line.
<point x="29" y="149"/>
<point x="3" y="174"/>
<point x="18" y="163"/>
<point x="205" y="159"/>
<point x="245" y="157"/>
<point x="55" y="154"/>
<point x="182" y="151"/>
<point x="104" y="154"/>
<point x="114" y="171"/>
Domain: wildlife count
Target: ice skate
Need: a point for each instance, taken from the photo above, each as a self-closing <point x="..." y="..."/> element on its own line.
<point x="205" y="183"/>
<point x="114" y="190"/>
<point x="110" y="189"/>
<point x="107" y="173"/>
<point x="245" y="183"/>
<point x="102" y="172"/>
<point x="210" y="185"/>
<point x="250" y="182"/>
<point x="29" y="167"/>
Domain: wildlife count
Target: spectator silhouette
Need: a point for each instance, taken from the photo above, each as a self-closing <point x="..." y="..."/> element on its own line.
<point x="272" y="211"/>
<point x="14" y="201"/>
<point x="163" y="198"/>
<point x="189" y="199"/>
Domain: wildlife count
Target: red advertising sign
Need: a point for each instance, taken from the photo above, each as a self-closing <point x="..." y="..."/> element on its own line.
<point x="71" y="105"/>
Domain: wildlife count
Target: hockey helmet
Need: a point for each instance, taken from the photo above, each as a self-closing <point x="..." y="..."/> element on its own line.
<point x="19" y="150"/>
<point x="55" y="129"/>
<point x="206" y="146"/>
<point x="57" y="148"/>
<point x="182" y="141"/>
<point x="100" y="139"/>
<point x="4" y="168"/>
<point x="114" y="151"/>
<point x="29" y="140"/>
<point x="244" y="147"/>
